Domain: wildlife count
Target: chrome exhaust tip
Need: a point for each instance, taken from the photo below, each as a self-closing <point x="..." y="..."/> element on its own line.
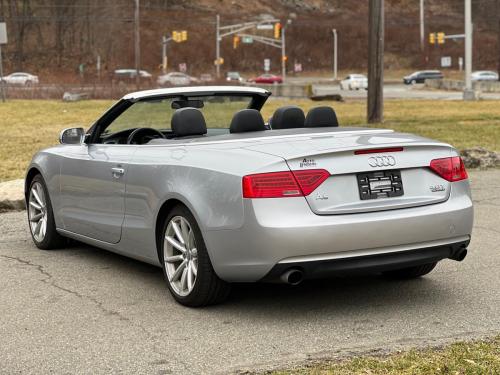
<point x="292" y="276"/>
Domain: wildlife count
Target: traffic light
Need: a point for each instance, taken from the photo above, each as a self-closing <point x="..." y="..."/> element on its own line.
<point x="236" y="41"/>
<point x="432" y="38"/>
<point x="285" y="58"/>
<point x="277" y="30"/>
<point x="440" y="38"/>
<point x="179" y="36"/>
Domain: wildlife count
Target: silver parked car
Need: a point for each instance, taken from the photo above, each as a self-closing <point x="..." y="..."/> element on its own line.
<point x="176" y="79"/>
<point x="192" y="180"/>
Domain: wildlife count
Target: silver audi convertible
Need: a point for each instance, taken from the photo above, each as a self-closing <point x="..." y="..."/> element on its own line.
<point x="195" y="181"/>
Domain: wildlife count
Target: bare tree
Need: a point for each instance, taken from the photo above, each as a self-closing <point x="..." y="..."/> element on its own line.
<point x="20" y="15"/>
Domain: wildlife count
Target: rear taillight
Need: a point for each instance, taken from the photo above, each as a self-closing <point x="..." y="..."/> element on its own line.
<point x="451" y="169"/>
<point x="283" y="184"/>
<point x="309" y="180"/>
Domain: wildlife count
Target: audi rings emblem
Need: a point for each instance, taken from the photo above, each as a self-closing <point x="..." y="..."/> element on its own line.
<point x="382" y="161"/>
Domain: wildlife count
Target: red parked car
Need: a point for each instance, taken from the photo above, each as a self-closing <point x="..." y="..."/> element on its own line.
<point x="267" y="78"/>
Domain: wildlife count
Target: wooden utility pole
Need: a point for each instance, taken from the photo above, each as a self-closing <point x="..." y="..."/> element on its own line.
<point x="498" y="36"/>
<point x="376" y="61"/>
<point x="422" y="27"/>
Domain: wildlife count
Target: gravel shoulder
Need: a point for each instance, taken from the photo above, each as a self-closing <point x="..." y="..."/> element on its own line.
<point x="81" y="309"/>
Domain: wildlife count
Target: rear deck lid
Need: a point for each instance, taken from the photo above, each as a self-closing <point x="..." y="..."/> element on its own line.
<point x="368" y="172"/>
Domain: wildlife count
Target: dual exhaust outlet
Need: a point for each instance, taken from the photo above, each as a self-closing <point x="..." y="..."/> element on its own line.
<point x="294" y="276"/>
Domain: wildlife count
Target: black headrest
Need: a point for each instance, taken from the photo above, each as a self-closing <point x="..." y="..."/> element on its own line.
<point x="188" y="121"/>
<point x="247" y="120"/>
<point x="320" y="117"/>
<point x="288" y="117"/>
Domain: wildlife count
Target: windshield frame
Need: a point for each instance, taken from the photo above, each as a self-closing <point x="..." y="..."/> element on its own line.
<point x="97" y="129"/>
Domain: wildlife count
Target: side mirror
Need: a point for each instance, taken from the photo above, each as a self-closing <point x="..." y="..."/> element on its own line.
<point x="72" y="136"/>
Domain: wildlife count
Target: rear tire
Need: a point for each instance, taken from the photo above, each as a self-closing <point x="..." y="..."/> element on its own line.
<point x="41" y="217"/>
<point x="196" y="283"/>
<point x="411" y="272"/>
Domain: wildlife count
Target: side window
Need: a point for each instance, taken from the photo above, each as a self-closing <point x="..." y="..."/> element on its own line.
<point x="154" y="114"/>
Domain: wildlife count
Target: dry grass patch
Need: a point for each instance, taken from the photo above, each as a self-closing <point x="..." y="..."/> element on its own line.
<point x="29" y="125"/>
<point x="478" y="357"/>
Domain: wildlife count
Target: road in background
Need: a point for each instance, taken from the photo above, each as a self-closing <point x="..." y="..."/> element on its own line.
<point x="85" y="310"/>
<point x="320" y="87"/>
<point x="398" y="91"/>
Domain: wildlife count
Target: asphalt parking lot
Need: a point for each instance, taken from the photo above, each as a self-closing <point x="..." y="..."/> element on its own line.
<point x="84" y="310"/>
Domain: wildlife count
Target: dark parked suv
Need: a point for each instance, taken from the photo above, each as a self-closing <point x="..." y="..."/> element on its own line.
<point x="420" y="77"/>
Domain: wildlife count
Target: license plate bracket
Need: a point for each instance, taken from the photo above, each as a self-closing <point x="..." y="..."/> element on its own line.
<point x="380" y="184"/>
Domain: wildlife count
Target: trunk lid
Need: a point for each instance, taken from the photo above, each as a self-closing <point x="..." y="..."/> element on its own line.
<point x="393" y="174"/>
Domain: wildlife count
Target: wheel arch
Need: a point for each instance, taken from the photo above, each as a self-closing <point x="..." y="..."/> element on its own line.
<point x="165" y="208"/>
<point x="32" y="172"/>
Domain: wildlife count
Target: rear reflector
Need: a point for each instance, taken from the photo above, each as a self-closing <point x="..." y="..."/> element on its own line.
<point x="451" y="169"/>
<point x="283" y="184"/>
<point x="378" y="150"/>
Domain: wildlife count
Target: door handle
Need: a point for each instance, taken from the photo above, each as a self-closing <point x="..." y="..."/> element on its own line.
<point x="117" y="172"/>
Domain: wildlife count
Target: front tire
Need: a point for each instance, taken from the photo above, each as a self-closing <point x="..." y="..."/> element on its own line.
<point x="41" y="216"/>
<point x="411" y="272"/>
<point x="187" y="269"/>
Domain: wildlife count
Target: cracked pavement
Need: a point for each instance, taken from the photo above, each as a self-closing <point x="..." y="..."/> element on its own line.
<point x="85" y="310"/>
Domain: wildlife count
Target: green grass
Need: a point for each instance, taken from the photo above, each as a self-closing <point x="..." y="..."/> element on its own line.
<point x="461" y="358"/>
<point x="29" y="125"/>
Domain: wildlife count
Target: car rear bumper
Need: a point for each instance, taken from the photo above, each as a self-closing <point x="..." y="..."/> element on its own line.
<point x="285" y="231"/>
<point x="374" y="263"/>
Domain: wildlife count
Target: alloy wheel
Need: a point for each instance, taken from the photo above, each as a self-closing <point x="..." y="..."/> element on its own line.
<point x="37" y="212"/>
<point x="180" y="255"/>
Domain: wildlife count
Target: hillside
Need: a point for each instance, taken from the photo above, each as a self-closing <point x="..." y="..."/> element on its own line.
<point x="53" y="37"/>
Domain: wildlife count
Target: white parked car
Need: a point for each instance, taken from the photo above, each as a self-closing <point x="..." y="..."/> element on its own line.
<point x="484" y="75"/>
<point x="354" y="82"/>
<point x="20" y="78"/>
<point x="175" y="79"/>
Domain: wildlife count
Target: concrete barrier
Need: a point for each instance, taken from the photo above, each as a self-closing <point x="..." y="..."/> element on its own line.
<point x="288" y="90"/>
<point x="457" y="85"/>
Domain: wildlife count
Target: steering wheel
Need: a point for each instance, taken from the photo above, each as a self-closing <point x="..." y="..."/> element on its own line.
<point x="141" y="136"/>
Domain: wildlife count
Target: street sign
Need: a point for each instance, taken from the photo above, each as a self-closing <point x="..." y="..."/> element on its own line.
<point x="297" y="67"/>
<point x="219" y="62"/>
<point x="3" y="33"/>
<point x="247" y="39"/>
<point x="445" y="61"/>
<point x="265" y="26"/>
<point x="267" y="65"/>
<point x="183" y="67"/>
